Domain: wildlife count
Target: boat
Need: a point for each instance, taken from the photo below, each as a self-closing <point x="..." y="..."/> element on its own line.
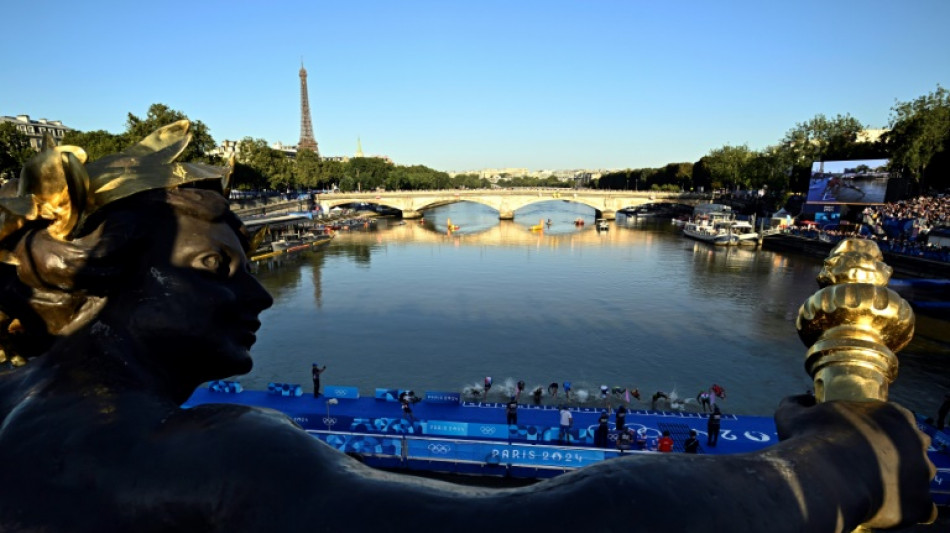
<point x="602" y="225"/>
<point x="450" y="226"/>
<point x="308" y="241"/>
<point x="450" y="433"/>
<point x="538" y="227"/>
<point x="681" y="220"/>
<point x="744" y="232"/>
<point x="716" y="224"/>
<point x="280" y="245"/>
<point x="643" y="211"/>
<point x="706" y="231"/>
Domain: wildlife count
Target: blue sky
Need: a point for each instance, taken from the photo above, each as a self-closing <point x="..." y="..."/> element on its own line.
<point x="478" y="84"/>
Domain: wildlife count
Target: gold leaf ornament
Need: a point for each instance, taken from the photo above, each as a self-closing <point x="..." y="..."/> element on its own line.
<point x="56" y="185"/>
<point x="53" y="185"/>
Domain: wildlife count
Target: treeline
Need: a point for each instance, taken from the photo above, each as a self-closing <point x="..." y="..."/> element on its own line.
<point x="260" y="166"/>
<point x="916" y="143"/>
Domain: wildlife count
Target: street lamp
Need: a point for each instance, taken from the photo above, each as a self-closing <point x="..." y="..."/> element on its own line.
<point x="329" y="421"/>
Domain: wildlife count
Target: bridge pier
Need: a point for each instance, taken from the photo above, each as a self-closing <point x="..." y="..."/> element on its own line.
<point x="411" y="215"/>
<point x="506" y="215"/>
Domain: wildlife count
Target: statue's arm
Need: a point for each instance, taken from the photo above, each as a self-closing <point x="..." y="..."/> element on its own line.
<point x="815" y="481"/>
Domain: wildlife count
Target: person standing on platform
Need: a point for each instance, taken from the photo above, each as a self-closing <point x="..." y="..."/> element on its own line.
<point x="665" y="444"/>
<point x="520" y="389"/>
<point x="713" y="425"/>
<point x="567" y="390"/>
<point x="487" y="386"/>
<point x="552" y="390"/>
<point x="621" y="418"/>
<point x="567" y="420"/>
<point x="944" y="409"/>
<point x="512" y="411"/>
<point x="602" y="431"/>
<point x="692" y="443"/>
<point x="316" y="379"/>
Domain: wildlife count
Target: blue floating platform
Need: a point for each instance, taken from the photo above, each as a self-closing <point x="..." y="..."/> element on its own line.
<point x="446" y="434"/>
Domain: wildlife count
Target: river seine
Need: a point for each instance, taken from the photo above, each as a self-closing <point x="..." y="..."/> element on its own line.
<point x="414" y="306"/>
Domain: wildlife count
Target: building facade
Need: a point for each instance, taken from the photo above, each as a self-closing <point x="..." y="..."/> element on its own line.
<point x="36" y="129"/>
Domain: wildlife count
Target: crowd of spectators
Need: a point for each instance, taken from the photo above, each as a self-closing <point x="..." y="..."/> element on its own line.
<point x="903" y="227"/>
<point x="899" y="227"/>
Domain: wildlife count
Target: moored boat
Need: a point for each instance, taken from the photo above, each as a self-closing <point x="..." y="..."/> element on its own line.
<point x="706" y="231"/>
<point x="717" y="224"/>
<point x="309" y="241"/>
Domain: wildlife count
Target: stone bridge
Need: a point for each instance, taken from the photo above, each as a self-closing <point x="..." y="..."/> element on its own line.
<point x="507" y="201"/>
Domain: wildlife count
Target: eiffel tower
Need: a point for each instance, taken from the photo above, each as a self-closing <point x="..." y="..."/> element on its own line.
<point x="307" y="142"/>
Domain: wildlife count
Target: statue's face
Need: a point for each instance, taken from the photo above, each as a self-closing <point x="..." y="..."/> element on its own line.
<point x="199" y="306"/>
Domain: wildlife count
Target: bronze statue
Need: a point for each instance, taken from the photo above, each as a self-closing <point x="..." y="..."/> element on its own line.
<point x="124" y="285"/>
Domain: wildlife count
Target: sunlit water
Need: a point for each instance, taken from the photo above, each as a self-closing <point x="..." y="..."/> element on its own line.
<point x="413" y="306"/>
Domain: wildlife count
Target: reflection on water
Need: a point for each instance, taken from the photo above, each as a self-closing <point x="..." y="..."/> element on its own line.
<point x="416" y="306"/>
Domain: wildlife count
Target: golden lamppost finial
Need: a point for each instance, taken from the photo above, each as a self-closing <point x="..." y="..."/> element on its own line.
<point x="853" y="326"/>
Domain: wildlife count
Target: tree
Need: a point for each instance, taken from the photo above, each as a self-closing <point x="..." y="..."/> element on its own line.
<point x="769" y="169"/>
<point x="15" y="150"/>
<point x="368" y="172"/>
<point x="160" y="115"/>
<point x="96" y="143"/>
<point x="331" y="172"/>
<point x="919" y="131"/>
<point x="307" y="169"/>
<point x="470" y="181"/>
<point x="702" y="177"/>
<point x="727" y="166"/>
<point x="268" y="163"/>
<point x="820" y="138"/>
<point x="677" y="176"/>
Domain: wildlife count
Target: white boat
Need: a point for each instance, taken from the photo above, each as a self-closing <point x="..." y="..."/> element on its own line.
<point x="706" y="231"/>
<point x="280" y="245"/>
<point x="716" y="224"/>
<point x="602" y="225"/>
<point x="744" y="232"/>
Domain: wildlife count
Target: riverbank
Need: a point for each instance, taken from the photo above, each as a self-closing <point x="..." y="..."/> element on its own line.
<point x="903" y="265"/>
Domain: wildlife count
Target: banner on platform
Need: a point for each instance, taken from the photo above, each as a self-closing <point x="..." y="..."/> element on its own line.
<point x="337" y="391"/>
<point x="443" y="397"/>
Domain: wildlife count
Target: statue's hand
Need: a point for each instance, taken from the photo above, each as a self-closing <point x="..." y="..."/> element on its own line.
<point x="876" y="446"/>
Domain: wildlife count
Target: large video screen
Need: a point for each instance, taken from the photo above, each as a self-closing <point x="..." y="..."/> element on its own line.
<point x="848" y="182"/>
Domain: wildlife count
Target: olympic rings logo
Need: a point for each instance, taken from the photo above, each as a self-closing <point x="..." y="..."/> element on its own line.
<point x="487" y="430"/>
<point x="329" y="421"/>
<point x="439" y="448"/>
<point x="340" y="392"/>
